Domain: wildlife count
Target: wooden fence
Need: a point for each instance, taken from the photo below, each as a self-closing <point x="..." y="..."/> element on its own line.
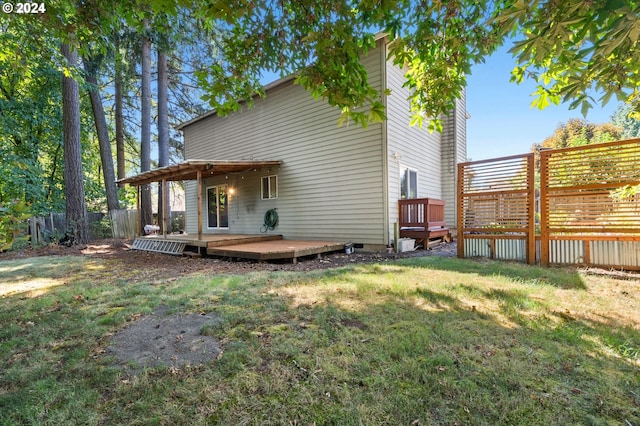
<point x="496" y="203"/>
<point x="586" y="216"/>
<point x="124" y="223"/>
<point x="118" y="224"/>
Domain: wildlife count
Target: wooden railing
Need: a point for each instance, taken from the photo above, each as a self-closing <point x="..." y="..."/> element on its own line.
<point x="422" y="219"/>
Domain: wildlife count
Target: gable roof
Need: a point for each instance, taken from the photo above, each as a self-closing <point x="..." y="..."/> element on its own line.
<point x="268" y="87"/>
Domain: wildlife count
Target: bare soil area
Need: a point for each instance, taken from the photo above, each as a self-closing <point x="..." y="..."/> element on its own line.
<point x="161" y="266"/>
<point x="160" y="339"/>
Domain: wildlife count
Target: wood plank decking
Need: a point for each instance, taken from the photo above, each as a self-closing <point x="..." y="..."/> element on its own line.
<point x="275" y="249"/>
<point x="247" y="246"/>
<point x="213" y="240"/>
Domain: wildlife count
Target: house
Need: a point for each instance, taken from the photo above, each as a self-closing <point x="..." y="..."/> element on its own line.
<point x="326" y="182"/>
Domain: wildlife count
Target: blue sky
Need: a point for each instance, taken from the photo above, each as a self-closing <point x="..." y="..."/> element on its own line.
<point x="502" y="122"/>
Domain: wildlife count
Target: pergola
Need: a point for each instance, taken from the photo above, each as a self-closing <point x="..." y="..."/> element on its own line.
<point x="191" y="170"/>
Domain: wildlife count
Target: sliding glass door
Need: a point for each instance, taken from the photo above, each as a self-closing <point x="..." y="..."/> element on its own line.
<point x="217" y="207"/>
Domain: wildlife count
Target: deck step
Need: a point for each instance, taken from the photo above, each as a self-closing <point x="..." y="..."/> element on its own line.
<point x="159" y="245"/>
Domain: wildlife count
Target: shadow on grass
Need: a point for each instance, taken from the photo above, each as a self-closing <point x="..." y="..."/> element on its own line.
<point x="395" y="362"/>
<point x="388" y="361"/>
<point x="557" y="277"/>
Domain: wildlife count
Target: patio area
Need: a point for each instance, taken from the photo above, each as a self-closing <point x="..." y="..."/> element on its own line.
<point x="259" y="247"/>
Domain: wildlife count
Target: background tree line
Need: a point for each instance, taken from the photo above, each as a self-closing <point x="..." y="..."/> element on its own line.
<point x="81" y="103"/>
<point x="91" y="75"/>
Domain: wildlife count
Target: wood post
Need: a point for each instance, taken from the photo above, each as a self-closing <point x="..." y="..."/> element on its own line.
<point x="199" y="191"/>
<point x="531" y="210"/>
<point x="139" y="219"/>
<point x="544" y="208"/>
<point x="165" y="219"/>
<point x="460" y="212"/>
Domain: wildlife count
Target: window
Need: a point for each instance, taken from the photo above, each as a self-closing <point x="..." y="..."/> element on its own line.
<point x="217" y="207"/>
<point x="408" y="183"/>
<point x="269" y="187"/>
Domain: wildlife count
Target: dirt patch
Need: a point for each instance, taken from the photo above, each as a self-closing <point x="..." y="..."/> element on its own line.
<point x="165" y="340"/>
<point x="157" y="267"/>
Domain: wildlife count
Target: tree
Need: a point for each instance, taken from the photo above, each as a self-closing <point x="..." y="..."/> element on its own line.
<point x="322" y="42"/>
<point x="578" y="52"/>
<point x="30" y="118"/>
<point x="145" y="127"/>
<point x="118" y="83"/>
<point x="577" y="132"/>
<point x="163" y="131"/>
<point x="76" y="208"/>
<point x="629" y="124"/>
<point x="102" y="131"/>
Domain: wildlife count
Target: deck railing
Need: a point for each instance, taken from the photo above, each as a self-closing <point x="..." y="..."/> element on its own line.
<point x="421" y="213"/>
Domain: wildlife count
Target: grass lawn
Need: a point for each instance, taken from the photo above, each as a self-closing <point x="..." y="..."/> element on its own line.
<point x="429" y="341"/>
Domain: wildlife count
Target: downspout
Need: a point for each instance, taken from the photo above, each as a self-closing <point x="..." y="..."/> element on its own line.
<point x="385" y="149"/>
<point x="454" y="162"/>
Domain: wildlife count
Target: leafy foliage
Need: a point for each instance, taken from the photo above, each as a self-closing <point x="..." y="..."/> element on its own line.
<point x="578" y="52"/>
<point x="30" y="121"/>
<point x="12" y="218"/>
<point x="583" y="53"/>
<point x="624" y="119"/>
<point x="322" y="43"/>
<point x="577" y="132"/>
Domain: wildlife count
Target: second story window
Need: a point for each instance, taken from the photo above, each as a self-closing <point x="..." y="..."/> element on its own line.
<point x="408" y="183"/>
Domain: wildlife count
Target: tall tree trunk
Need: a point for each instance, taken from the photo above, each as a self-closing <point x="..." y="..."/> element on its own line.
<point x="77" y="218"/>
<point x="103" y="136"/>
<point x="145" y="133"/>
<point x="119" y="107"/>
<point x="163" y="134"/>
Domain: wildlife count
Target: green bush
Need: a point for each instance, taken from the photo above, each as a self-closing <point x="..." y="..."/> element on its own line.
<point x="12" y="224"/>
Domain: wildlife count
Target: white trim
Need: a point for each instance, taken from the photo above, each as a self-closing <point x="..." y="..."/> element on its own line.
<point x="404" y="170"/>
<point x="262" y="197"/>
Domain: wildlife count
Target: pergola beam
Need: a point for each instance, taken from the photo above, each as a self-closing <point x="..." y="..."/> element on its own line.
<point x="188" y="170"/>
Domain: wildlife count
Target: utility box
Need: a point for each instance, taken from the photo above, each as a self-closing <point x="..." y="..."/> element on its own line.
<point x="406" y="244"/>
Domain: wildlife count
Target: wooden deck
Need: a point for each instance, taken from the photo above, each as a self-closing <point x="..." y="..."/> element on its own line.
<point x="214" y="240"/>
<point x="248" y="246"/>
<point x="275" y="249"/>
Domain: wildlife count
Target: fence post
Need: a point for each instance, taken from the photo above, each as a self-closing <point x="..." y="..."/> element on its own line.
<point x="460" y="212"/>
<point x="544" y="207"/>
<point x="531" y="233"/>
<point x="33" y="230"/>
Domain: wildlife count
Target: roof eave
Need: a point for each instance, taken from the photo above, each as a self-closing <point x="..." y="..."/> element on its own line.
<point x="274" y="84"/>
<point x="188" y="170"/>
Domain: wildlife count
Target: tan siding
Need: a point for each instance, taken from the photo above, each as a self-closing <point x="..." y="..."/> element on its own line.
<point x="454" y="151"/>
<point x="191" y="211"/>
<point x="408" y="147"/>
<point x="330" y="184"/>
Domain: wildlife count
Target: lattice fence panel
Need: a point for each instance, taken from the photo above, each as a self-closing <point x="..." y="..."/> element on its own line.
<point x="496" y="203"/>
<point x="582" y="197"/>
